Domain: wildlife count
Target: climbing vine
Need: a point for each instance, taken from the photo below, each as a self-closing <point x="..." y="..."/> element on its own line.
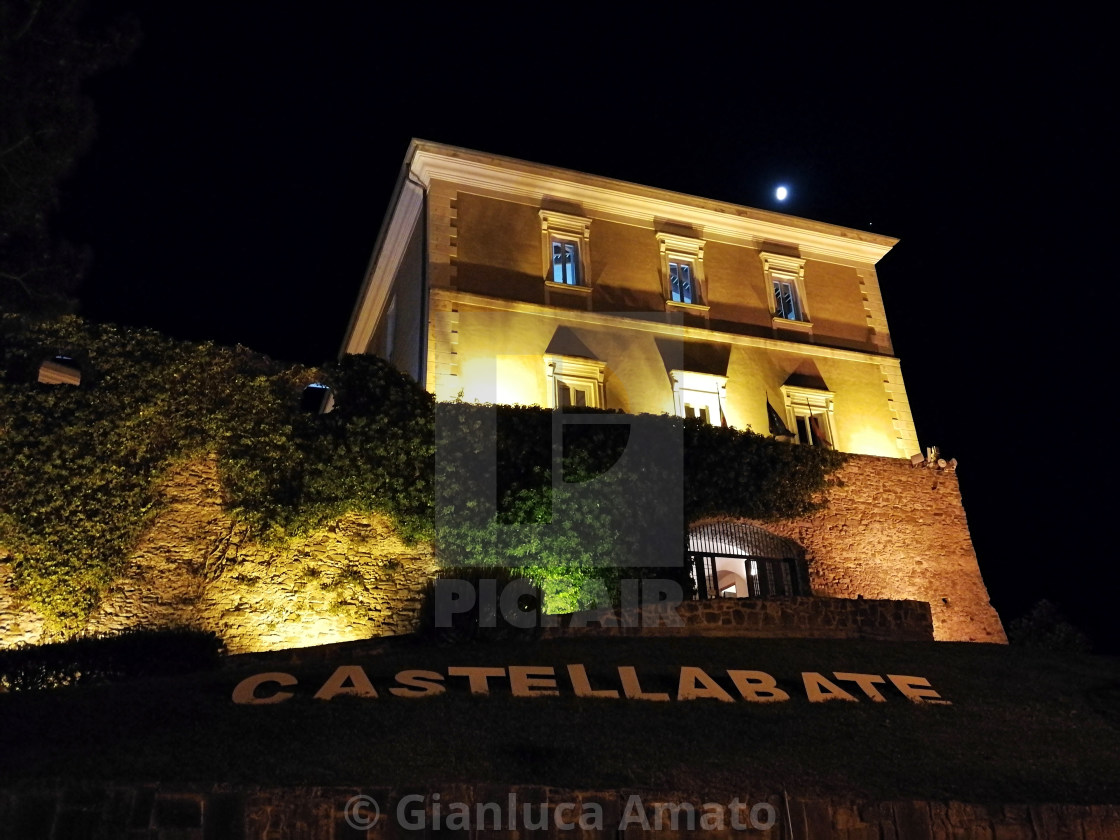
<point x="80" y="467"/>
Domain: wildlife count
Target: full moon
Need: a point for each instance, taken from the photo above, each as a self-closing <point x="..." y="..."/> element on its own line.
<point x="781" y="193"/>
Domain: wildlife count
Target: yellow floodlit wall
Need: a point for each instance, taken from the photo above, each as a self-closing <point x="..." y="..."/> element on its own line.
<point x="492" y="314"/>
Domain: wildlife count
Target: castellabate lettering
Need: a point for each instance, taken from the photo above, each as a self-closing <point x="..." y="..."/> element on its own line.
<point x="258" y="689"/>
<point x="346" y="681"/>
<point x="418" y="684"/>
<point x="622" y="681"/>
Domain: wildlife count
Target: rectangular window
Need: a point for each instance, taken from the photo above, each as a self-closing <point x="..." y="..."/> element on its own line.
<point x="566" y="253"/>
<point x="574" y="382"/>
<point x="680" y="282"/>
<point x="700" y="412"/>
<point x="786" y="304"/>
<point x="699" y="396"/>
<point x="568" y="394"/>
<point x="682" y="272"/>
<point x="786" y="276"/>
<point x="565" y="262"/>
<point x="810" y="413"/>
<point x="813" y="429"/>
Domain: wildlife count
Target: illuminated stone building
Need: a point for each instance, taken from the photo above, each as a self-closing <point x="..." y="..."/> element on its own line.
<point x="501" y="281"/>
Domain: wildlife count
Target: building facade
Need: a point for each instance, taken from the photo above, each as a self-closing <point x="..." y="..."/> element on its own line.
<point x="500" y="281"/>
<point x="503" y="281"/>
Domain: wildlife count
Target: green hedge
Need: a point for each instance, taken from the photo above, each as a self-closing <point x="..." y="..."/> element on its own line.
<point x="99" y="659"/>
<point x="484" y="619"/>
<point x="80" y="466"/>
<point x="577" y="544"/>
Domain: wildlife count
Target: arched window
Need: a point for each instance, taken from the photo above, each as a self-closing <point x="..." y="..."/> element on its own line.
<point x="741" y="560"/>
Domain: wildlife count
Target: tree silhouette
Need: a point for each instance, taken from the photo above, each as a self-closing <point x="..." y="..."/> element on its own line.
<point x="1045" y="627"/>
<point x="47" y="51"/>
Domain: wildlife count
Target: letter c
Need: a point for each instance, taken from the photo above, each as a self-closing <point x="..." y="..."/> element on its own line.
<point x="246" y="690"/>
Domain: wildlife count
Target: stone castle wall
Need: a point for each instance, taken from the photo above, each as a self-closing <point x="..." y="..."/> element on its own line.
<point x="262" y="813"/>
<point x="196" y="567"/>
<point x="761" y="618"/>
<point x="892" y="530"/>
<point x="890" y="533"/>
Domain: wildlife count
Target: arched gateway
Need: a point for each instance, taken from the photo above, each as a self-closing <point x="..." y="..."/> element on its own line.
<point x="741" y="560"/>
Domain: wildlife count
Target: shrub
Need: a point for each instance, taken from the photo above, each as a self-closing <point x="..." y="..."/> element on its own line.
<point x="109" y="658"/>
<point x="80" y="467"/>
<point x="1045" y="628"/>
<point x="484" y="619"/>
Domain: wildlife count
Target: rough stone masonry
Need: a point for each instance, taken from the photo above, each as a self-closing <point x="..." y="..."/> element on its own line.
<point x="890" y="532"/>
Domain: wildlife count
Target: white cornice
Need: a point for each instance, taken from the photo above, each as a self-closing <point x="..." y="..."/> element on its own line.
<point x="534" y="183"/>
<point x="388" y="253"/>
<point x="645" y="322"/>
<point x="685" y="246"/>
<point x="694" y="381"/>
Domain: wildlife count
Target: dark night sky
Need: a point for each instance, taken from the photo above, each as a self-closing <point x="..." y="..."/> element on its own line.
<point x="245" y="159"/>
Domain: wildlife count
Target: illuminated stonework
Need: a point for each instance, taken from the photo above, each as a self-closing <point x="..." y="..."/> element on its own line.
<point x="648" y="285"/>
<point x="667" y="303"/>
<point x="890" y="531"/>
<point x="197" y="567"/>
<point x="509" y="282"/>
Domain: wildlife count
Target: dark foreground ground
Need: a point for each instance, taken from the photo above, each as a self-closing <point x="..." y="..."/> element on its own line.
<point x="1019" y="726"/>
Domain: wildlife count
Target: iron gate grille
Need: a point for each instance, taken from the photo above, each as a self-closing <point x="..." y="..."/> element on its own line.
<point x="740" y="539"/>
<point x="774" y="566"/>
<point x="767" y="577"/>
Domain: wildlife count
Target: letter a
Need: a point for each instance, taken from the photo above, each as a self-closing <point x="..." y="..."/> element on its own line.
<point x="346" y="679"/>
<point x="695" y="684"/>
<point x="757" y="686"/>
<point x="820" y="688"/>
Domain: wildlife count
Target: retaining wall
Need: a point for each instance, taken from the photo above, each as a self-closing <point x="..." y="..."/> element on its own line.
<point x="891" y="534"/>
<point x="222" y="812"/>
<point x="895" y="531"/>
<point x="773" y="618"/>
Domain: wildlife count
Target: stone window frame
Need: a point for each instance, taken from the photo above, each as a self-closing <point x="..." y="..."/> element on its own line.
<point x="811" y="403"/>
<point x="578" y="374"/>
<point x="779" y="268"/>
<point x="688" y="250"/>
<point x="565" y="227"/>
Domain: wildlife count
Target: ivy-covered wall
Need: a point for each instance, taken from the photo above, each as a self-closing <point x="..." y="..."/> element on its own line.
<point x="90" y="477"/>
<point x="82" y="468"/>
<point x="197" y="566"/>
